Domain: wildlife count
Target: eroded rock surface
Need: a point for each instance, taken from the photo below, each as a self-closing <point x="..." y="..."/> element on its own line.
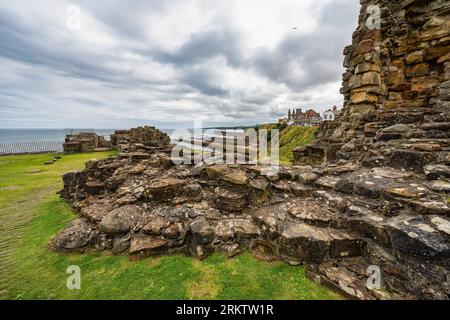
<point x="198" y="210"/>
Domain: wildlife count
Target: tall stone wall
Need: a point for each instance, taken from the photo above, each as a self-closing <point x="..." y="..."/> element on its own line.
<point x="396" y="85"/>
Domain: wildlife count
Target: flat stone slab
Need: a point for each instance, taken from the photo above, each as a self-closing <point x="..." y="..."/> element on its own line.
<point x="144" y="246"/>
<point x="431" y="207"/>
<point x="440" y="186"/>
<point x="302" y="242"/>
<point x="414" y="236"/>
<point x="442" y="225"/>
<point x="391" y="173"/>
<point x="34" y="171"/>
<point x="311" y="212"/>
<point x="327" y="182"/>
<point x="102" y="149"/>
<point x="96" y="212"/>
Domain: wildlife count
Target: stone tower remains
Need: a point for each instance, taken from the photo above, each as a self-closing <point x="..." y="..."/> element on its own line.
<point x="396" y="88"/>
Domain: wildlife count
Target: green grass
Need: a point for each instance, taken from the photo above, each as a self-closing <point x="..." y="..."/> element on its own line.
<point x="38" y="273"/>
<point x="291" y="137"/>
<point x="14" y="172"/>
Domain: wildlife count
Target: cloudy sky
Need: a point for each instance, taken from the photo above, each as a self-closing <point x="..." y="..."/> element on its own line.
<point x="168" y="62"/>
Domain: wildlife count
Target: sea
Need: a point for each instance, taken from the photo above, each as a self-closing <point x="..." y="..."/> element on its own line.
<point x="21" y="141"/>
<point x="17" y="141"/>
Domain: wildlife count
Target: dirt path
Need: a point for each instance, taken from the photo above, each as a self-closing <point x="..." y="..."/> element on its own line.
<point x="13" y="220"/>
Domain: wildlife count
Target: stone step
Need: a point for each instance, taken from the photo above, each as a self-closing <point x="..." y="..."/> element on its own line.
<point x="441" y="142"/>
<point x="340" y="279"/>
<point x="390" y="186"/>
<point x="300" y="242"/>
<point x="313" y="213"/>
<point x="411" y="160"/>
<point x="369" y="218"/>
<point x="367" y="223"/>
<point x="415" y="236"/>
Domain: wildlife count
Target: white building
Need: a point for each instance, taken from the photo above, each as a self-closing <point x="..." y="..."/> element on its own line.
<point x="331" y="115"/>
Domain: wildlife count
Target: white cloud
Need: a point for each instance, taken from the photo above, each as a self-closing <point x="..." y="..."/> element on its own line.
<point x="169" y="63"/>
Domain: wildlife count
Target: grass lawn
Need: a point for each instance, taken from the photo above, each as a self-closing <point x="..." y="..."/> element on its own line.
<point x="291" y="137"/>
<point x="17" y="183"/>
<point x="34" y="272"/>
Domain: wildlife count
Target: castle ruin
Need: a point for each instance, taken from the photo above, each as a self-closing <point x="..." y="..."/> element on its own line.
<point x="365" y="208"/>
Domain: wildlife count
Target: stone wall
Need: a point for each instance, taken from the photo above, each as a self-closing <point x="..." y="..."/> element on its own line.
<point x="84" y="142"/>
<point x="396" y="86"/>
<point x="140" y="140"/>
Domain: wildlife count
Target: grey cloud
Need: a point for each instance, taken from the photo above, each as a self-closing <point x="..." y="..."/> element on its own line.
<point x="97" y="86"/>
<point x="206" y="45"/>
<point x="204" y="81"/>
<point x="319" y="54"/>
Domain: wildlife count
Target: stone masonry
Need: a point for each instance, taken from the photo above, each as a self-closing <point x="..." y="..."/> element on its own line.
<point x="85" y="142"/>
<point x="140" y="140"/>
<point x="396" y="89"/>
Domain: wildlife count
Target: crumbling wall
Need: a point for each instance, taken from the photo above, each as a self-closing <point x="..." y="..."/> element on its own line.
<point x="84" y="142"/>
<point x="140" y="139"/>
<point x="396" y="86"/>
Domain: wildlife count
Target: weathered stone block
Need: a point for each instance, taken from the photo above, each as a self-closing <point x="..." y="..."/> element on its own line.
<point x="415" y="57"/>
<point x="121" y="220"/>
<point x="300" y="242"/>
<point x="410" y="160"/>
<point x="74" y="237"/>
<point x="414" y="237"/>
<point x="145" y="246"/>
<point x="364" y="97"/>
<point x="365" y="46"/>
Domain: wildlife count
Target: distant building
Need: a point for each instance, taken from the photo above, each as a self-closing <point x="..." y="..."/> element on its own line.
<point x="307" y="118"/>
<point x="331" y="115"/>
<point x="283" y="121"/>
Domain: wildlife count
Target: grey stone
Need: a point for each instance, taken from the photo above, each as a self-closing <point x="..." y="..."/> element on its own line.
<point x="121" y="220"/>
<point x="74" y="237"/>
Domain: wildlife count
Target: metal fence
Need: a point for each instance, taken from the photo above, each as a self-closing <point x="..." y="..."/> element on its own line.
<point x="75" y="130"/>
<point x="31" y="146"/>
<point x="18" y="141"/>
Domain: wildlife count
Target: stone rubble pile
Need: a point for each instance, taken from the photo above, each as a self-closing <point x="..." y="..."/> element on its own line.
<point x="337" y="219"/>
